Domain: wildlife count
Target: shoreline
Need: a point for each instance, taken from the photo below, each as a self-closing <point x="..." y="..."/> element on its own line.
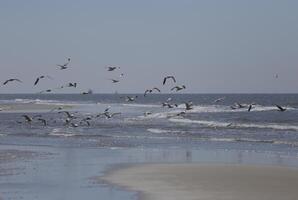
<point x="205" y="181"/>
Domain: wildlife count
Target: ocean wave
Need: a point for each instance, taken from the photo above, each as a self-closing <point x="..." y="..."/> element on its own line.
<point x="160" y="131"/>
<point x="251" y="140"/>
<point x="61" y="133"/>
<point x="217" y="124"/>
<point x="141" y="105"/>
<point x="218" y="109"/>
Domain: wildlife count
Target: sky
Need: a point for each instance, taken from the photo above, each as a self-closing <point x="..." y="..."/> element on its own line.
<point x="211" y="46"/>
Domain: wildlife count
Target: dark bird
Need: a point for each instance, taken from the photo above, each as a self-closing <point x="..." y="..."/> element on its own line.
<point x="151" y="90"/>
<point x="41" y="77"/>
<point x="188" y="105"/>
<point x="240" y="105"/>
<point x="110" y="115"/>
<point x="64" y="66"/>
<point x="112" y="68"/>
<point x="11" y="80"/>
<point x="249" y="108"/>
<point x="89" y="92"/>
<point x="68" y="114"/>
<point x="130" y="99"/>
<point x="168" y="77"/>
<point x="71" y="85"/>
<point x="114" y="80"/>
<point x="182" y="113"/>
<point x="27" y="118"/>
<point x="37" y="80"/>
<point x="74" y="125"/>
<point x="147" y="113"/>
<point x="43" y="121"/>
<point x="178" y="88"/>
<point x="281" y="109"/>
<point x="44" y="91"/>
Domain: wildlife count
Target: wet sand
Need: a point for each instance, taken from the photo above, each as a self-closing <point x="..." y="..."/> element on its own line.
<point x="207" y="182"/>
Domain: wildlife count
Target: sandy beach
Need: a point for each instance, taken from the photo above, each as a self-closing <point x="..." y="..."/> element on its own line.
<point x="207" y="182"/>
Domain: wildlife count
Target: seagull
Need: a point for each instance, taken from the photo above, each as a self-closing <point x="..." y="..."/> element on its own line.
<point x="130" y="99"/>
<point x="72" y="85"/>
<point x="281" y="109"/>
<point x="43" y="121"/>
<point x="64" y="66"/>
<point x="168" y="77"/>
<point x="110" y="115"/>
<point x="178" y="88"/>
<point x="49" y="90"/>
<point x="69" y="115"/>
<point x="114" y="80"/>
<point x="249" y="108"/>
<point x="112" y="68"/>
<point x="240" y="105"/>
<point x="89" y="92"/>
<point x="147" y="113"/>
<point x="188" y="105"/>
<point x="12" y="79"/>
<point x="182" y="113"/>
<point x="233" y="107"/>
<point x="172" y="105"/>
<point x="41" y="77"/>
<point x="27" y="118"/>
<point x="151" y="90"/>
<point x="219" y="99"/>
<point x="74" y="125"/>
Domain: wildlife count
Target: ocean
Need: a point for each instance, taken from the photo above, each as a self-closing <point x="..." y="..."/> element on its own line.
<point x="208" y="121"/>
<point x="69" y="156"/>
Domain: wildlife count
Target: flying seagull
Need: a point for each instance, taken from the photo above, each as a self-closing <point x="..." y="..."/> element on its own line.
<point x="249" y="108"/>
<point x="219" y="99"/>
<point x="151" y="90"/>
<point x="168" y="77"/>
<point x="130" y="99"/>
<point x="41" y="77"/>
<point x="178" y="88"/>
<point x="188" y="105"/>
<point x="114" y="80"/>
<point x="112" y="68"/>
<point x="281" y="109"/>
<point x="64" y="66"/>
<point x="11" y="80"/>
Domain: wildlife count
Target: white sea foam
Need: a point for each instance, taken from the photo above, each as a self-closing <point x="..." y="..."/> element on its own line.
<point x="160" y="131"/>
<point x="235" y="125"/>
<point x="61" y="133"/>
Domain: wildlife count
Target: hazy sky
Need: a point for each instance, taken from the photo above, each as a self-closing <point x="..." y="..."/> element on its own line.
<point x="209" y="45"/>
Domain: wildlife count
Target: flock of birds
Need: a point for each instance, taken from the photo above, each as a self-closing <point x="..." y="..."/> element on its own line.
<point x="70" y="117"/>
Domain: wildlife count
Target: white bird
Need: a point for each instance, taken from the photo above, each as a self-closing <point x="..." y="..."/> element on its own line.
<point x="219" y="99"/>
